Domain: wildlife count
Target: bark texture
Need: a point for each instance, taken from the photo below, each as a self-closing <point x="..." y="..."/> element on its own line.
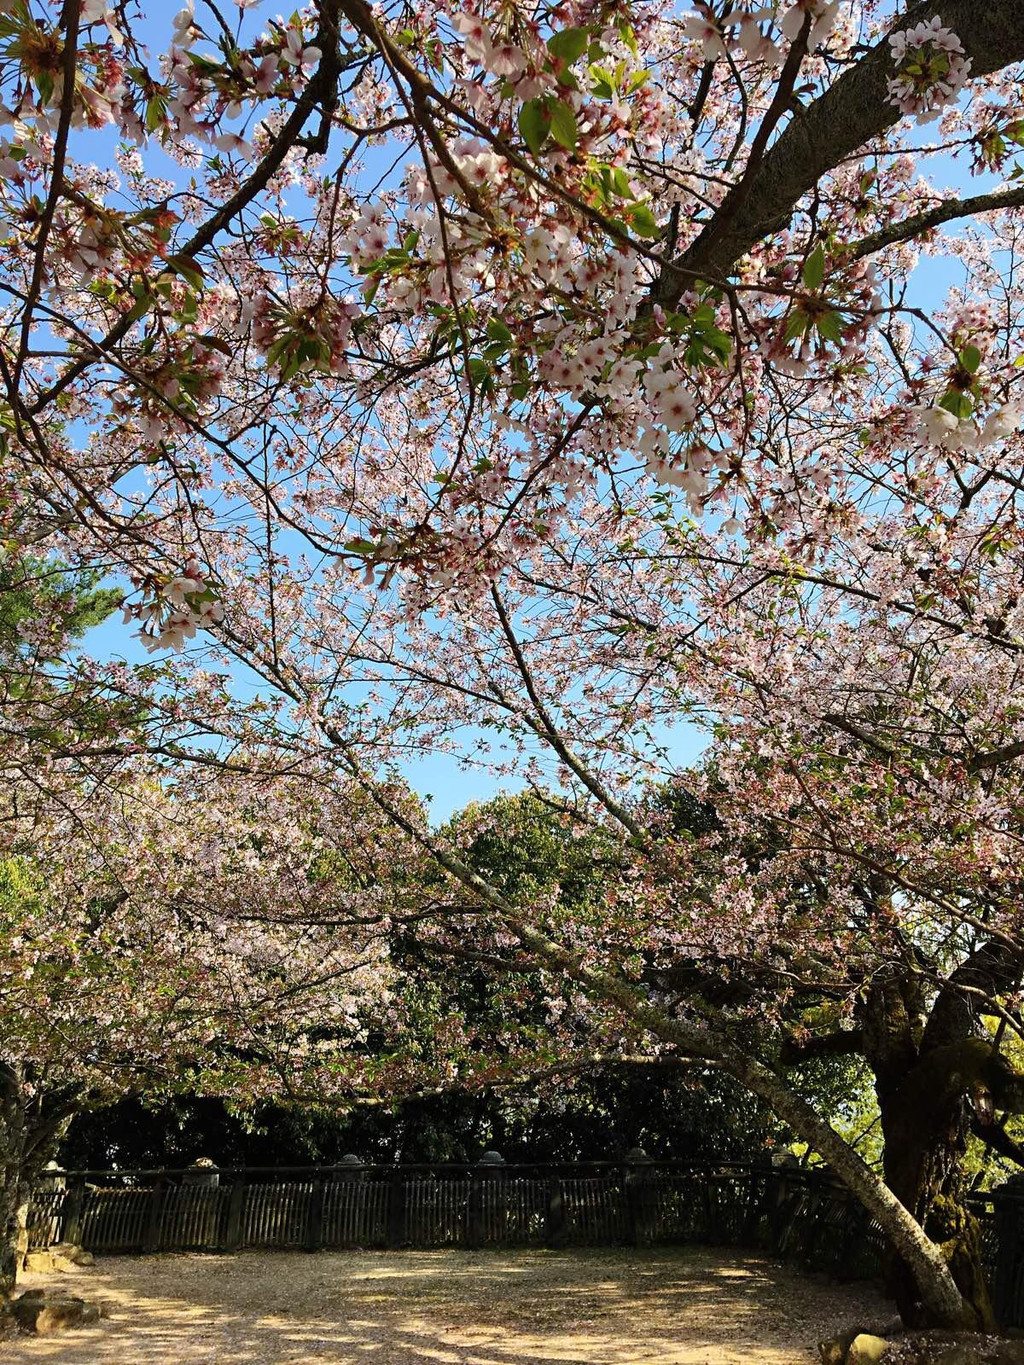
<point x="934" y="1077"/>
<point x="33" y="1119"/>
<point x="13" y="1189"/>
<point x="853" y="111"/>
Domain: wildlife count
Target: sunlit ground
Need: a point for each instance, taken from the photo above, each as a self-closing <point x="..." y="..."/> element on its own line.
<point x="602" y="1307"/>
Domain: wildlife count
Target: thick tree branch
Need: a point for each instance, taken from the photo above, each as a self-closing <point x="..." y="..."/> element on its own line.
<point x="995" y="757"/>
<point x="842" y="1043"/>
<point x="835" y="126"/>
<point x="995" y="1136"/>
<point x="945" y="212"/>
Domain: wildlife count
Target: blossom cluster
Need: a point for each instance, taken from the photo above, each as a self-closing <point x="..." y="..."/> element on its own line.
<point x="931" y="69"/>
<point x="173" y="610"/>
<point x="746" y="32"/>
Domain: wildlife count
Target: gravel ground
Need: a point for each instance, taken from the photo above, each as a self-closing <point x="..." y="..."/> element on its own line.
<point x="660" y="1307"/>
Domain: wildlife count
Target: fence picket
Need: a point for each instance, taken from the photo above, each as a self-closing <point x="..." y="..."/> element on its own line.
<point x="791" y="1212"/>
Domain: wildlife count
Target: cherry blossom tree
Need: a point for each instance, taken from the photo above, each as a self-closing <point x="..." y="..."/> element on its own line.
<point x="149" y="946"/>
<point x="516" y="382"/>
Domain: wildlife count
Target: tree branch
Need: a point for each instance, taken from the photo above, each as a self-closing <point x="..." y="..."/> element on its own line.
<point x="844" y="1042"/>
<point x="320" y="88"/>
<point x="995" y="757"/>
<point x="846" y="117"/>
<point x="995" y="1136"/>
<point x="941" y="213"/>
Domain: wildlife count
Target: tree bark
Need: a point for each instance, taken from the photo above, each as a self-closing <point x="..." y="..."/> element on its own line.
<point x="930" y="1072"/>
<point x="30" y="1132"/>
<point x="923" y="1164"/>
<point x="852" y="112"/>
<point x="14" y="1193"/>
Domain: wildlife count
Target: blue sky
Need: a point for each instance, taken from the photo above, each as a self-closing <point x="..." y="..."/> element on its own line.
<point x="440" y="775"/>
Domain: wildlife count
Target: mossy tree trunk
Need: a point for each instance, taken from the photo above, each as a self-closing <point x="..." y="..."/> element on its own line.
<point x="13" y="1190"/>
<point x="34" y="1117"/>
<point x="935" y="1071"/>
<point x="923" y="1165"/>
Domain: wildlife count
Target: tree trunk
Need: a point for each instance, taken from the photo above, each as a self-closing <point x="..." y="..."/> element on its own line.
<point x="14" y="1191"/>
<point x="941" y="1298"/>
<point x="30" y="1133"/>
<point x="923" y="1163"/>
<point x="939" y="1293"/>
<point x="930" y="1066"/>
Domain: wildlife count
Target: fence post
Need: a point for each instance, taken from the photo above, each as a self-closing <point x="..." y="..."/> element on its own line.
<point x="1008" y="1207"/>
<point x="236" y="1214"/>
<point x="554" y="1228"/>
<point x="71" y="1213"/>
<point x="778" y="1199"/>
<point x="757" y="1187"/>
<point x="487" y="1169"/>
<point x="204" y="1176"/>
<point x="396" y="1208"/>
<point x="315" y="1223"/>
<point x="349" y="1224"/>
<point x="637" y="1161"/>
<point x="848" y="1231"/>
<point x="152" y="1238"/>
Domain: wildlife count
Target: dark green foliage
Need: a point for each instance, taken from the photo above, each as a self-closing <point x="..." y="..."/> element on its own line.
<point x="700" y="1116"/>
<point x="71" y="601"/>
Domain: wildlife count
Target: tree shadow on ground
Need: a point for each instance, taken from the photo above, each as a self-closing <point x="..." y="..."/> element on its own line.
<point x="662" y="1307"/>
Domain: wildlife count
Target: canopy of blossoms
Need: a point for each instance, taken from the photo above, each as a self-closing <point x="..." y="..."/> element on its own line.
<point x="519" y="381"/>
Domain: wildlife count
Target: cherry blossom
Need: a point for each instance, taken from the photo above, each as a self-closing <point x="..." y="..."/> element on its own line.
<point x="518" y="391"/>
<point x="930" y="69"/>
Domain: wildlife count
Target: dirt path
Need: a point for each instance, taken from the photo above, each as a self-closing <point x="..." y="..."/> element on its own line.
<point x="664" y="1307"/>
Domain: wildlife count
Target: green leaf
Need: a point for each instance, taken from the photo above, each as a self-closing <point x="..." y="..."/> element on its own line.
<point x="957" y="403"/>
<point x="189" y="270"/>
<point x="970" y="359"/>
<point x="534" y="125"/>
<point x="644" y="222"/>
<point x="797" y="324"/>
<point x="814" y="268"/>
<point x="830" y="326"/>
<point x="604" y="82"/>
<point x="497" y="331"/>
<point x="620" y="183"/>
<point x="156" y="113"/>
<point x="205" y="65"/>
<point x="277" y="349"/>
<point x="563" y="126"/>
<point x="217" y="343"/>
<point x="139" y="309"/>
<point x="570" y="44"/>
<point x="720" y="344"/>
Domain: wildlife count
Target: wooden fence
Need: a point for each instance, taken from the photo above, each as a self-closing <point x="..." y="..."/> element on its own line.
<point x="801" y="1216"/>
